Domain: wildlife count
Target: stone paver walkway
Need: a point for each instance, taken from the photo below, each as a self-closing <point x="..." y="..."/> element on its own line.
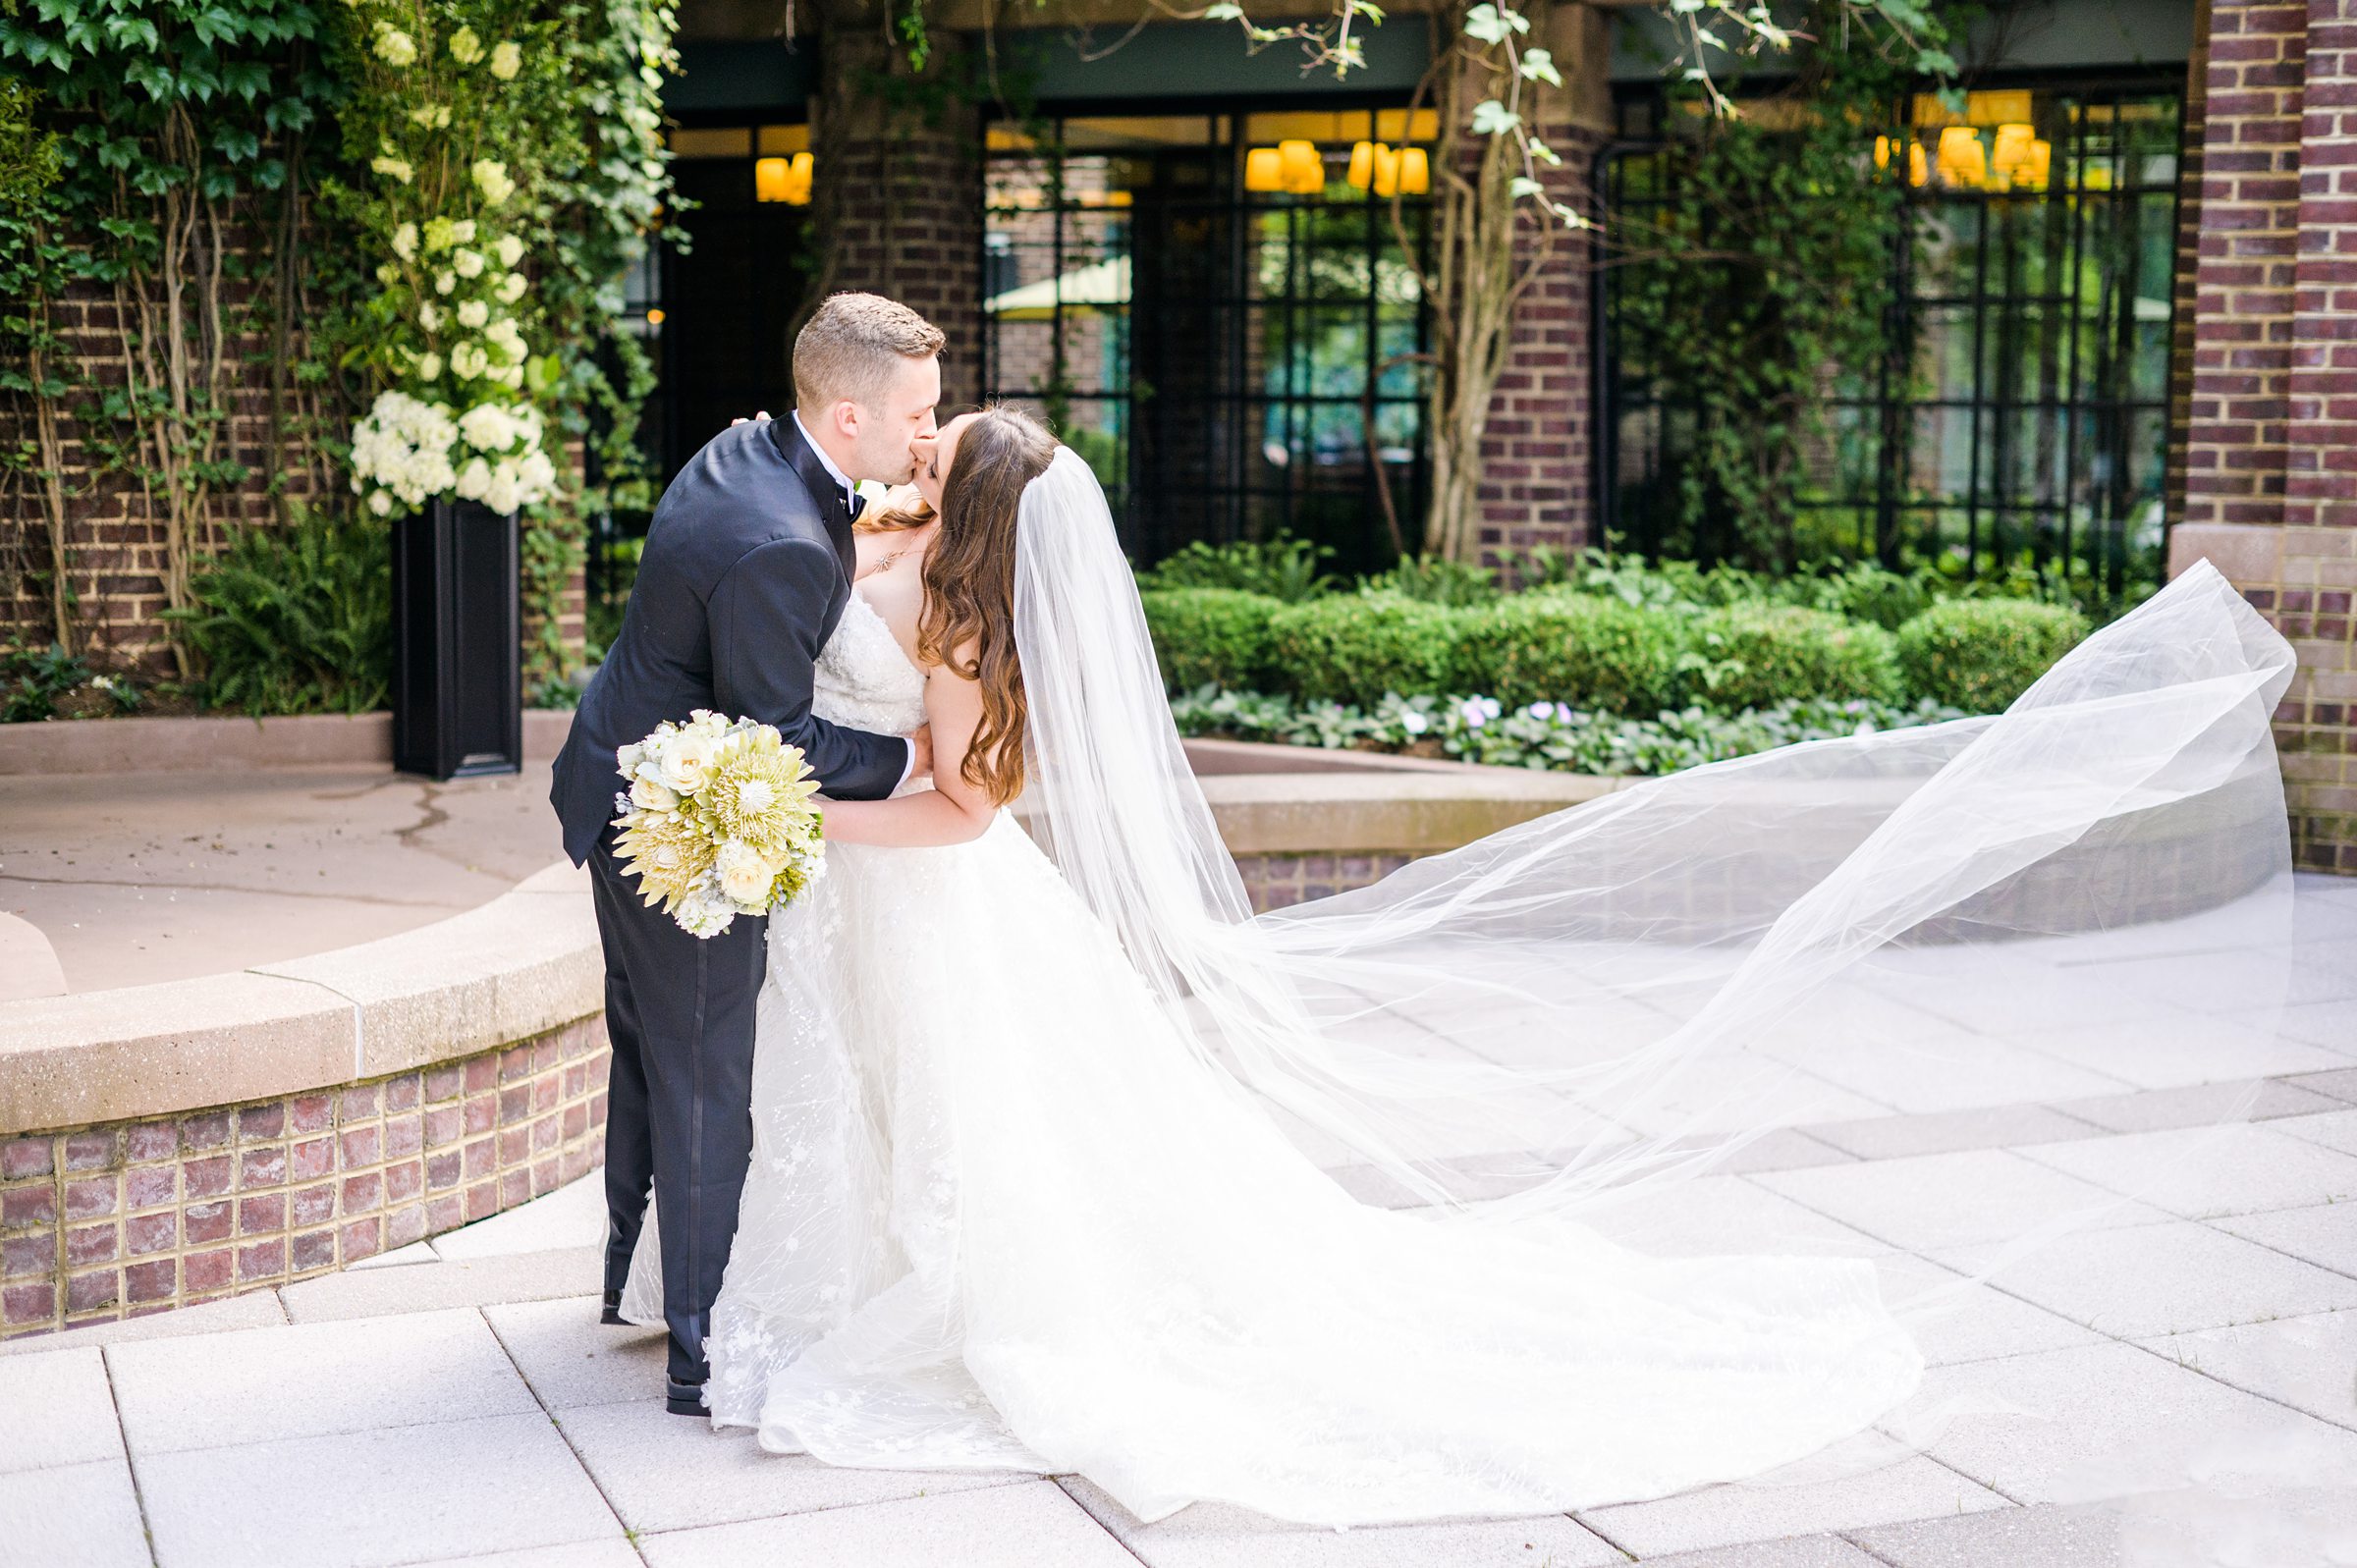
<point x="2178" y="1387"/>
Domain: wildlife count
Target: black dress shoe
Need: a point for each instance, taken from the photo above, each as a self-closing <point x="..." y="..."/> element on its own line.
<point x="684" y="1398"/>
<point x="612" y="1312"/>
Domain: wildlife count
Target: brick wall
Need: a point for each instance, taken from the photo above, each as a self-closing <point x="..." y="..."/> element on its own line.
<point x="129" y="1219"/>
<point x="2271" y="389"/>
<point x="115" y="530"/>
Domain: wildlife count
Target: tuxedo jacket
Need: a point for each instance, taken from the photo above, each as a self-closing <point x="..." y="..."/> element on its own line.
<point x="748" y="567"/>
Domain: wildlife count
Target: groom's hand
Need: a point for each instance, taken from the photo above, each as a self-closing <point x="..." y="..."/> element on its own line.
<point x="921" y="743"/>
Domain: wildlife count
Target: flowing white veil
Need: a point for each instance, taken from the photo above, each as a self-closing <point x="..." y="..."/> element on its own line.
<point x="1548" y="1020"/>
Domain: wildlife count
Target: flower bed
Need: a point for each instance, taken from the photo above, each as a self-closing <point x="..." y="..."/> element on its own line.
<point x="1539" y="735"/>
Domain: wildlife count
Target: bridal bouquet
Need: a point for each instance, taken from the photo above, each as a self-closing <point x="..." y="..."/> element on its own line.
<point x="716" y="822"/>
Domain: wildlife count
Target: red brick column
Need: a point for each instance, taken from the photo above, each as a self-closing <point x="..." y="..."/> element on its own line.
<point x="2270" y="441"/>
<point x="897" y="164"/>
<point x="1538" y="454"/>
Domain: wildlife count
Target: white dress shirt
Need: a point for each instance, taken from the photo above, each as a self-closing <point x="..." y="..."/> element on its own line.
<point x="850" y="493"/>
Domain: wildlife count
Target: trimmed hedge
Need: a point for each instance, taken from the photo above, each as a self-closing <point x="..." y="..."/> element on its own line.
<point x="1577" y="648"/>
<point x="1979" y="654"/>
<point x="1210" y="636"/>
<point x="1756" y="656"/>
<point x="1357" y="647"/>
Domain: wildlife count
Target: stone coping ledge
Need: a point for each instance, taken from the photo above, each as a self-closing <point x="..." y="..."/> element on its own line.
<point x="528" y="961"/>
<point x="520" y="965"/>
<point x="231" y="743"/>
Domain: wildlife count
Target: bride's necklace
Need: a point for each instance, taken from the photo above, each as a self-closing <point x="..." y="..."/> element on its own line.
<point x="885" y="564"/>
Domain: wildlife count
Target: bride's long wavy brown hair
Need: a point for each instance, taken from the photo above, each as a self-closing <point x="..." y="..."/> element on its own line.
<point x="969" y="584"/>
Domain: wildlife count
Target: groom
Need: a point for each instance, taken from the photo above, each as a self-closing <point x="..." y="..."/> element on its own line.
<point x="748" y="565"/>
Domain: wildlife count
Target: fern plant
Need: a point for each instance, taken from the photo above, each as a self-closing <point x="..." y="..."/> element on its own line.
<point x="294" y="619"/>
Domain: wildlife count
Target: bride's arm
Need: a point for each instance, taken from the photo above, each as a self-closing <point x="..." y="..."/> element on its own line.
<point x="952" y="811"/>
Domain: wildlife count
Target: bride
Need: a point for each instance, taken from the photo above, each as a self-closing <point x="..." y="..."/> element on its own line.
<point x="1056" y="1147"/>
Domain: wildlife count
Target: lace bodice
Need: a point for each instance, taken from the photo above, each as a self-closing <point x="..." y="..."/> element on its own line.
<point x="863" y="677"/>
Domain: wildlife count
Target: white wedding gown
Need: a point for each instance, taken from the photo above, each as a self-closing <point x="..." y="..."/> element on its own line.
<point x="1000" y="1216"/>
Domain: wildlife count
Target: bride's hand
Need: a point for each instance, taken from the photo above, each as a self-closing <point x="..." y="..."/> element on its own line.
<point x="762" y="414"/>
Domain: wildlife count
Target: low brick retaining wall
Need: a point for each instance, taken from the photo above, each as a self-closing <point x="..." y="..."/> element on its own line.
<point x="119" y="1220"/>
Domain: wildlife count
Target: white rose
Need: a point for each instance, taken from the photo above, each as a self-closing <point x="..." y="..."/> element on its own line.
<point x="473" y="312"/>
<point x="429" y="366"/>
<point x="688" y="760"/>
<point x="648" y="795"/>
<point x="381" y="504"/>
<point x="509" y="248"/>
<point x="487" y="426"/>
<point x="511" y="287"/>
<point x="444" y="282"/>
<point x="462" y="232"/>
<point x="470" y="263"/>
<point x="744" y="876"/>
<point x="474" y="480"/>
<point x="627" y="758"/>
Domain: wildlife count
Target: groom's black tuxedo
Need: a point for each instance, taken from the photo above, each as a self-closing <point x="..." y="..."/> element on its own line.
<point x="748" y="565"/>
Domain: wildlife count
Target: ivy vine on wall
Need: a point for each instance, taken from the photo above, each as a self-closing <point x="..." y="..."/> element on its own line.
<point x="194" y="152"/>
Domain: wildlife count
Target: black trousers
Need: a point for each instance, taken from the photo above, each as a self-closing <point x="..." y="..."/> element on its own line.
<point x="679" y="1113"/>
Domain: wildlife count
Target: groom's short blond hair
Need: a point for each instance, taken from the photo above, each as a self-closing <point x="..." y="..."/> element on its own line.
<point x="852" y="347"/>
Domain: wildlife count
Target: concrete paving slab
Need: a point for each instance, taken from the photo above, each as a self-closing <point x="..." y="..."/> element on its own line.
<point x="1216" y="1536"/>
<point x="570" y="1358"/>
<point x="576" y="1554"/>
<point x="399" y="1257"/>
<point x="1800" y="1551"/>
<point x="2176" y="1049"/>
<point x="2102" y="1422"/>
<point x="2205" y="1172"/>
<point x="461" y="1282"/>
<point x="1034" y="1525"/>
<point x="60" y="1411"/>
<point x="2307" y="1363"/>
<point x="2040" y="1536"/>
<point x="306" y="1379"/>
<point x="2326" y="1235"/>
<point x="2199" y="1105"/>
<point x="1925" y="1203"/>
<point x="1955" y="1320"/>
<point x="1784" y="1503"/>
<point x="2161" y="1279"/>
<point x="257" y="1309"/>
<point x="373" y="1500"/>
<point x="1713" y="1216"/>
<point x="73" y="1516"/>
<point x="2335" y="1129"/>
<point x="571" y="1217"/>
<point x="663" y="1472"/>
<point x="1988" y="1127"/>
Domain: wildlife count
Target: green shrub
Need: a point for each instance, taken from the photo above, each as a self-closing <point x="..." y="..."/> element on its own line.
<point x="1554" y="646"/>
<point x="1210" y="636"/>
<point x="1979" y="654"/>
<point x="294" y="619"/>
<point x="1865" y="591"/>
<point x="1438" y="581"/>
<point x="1755" y="656"/>
<point x="1291" y="569"/>
<point x="1356" y="647"/>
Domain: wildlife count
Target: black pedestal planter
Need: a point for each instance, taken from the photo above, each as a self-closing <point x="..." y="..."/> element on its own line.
<point x="458" y="672"/>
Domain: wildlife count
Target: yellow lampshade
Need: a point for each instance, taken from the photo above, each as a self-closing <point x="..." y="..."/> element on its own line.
<point x="797" y="180"/>
<point x="1963" y="160"/>
<point x="2013" y="148"/>
<point x="1387" y="171"/>
<point x="1304" y="170"/>
<point x="1362" y="165"/>
<point x="772" y="178"/>
<point x="1917" y="169"/>
<point x="2036" y="165"/>
<point x="1416" y="172"/>
<point x="1882" y="152"/>
<point x="1264" y="170"/>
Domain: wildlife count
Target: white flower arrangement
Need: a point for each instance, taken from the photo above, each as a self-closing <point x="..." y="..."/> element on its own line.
<point x="407" y="452"/>
<point x="717" y="820"/>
